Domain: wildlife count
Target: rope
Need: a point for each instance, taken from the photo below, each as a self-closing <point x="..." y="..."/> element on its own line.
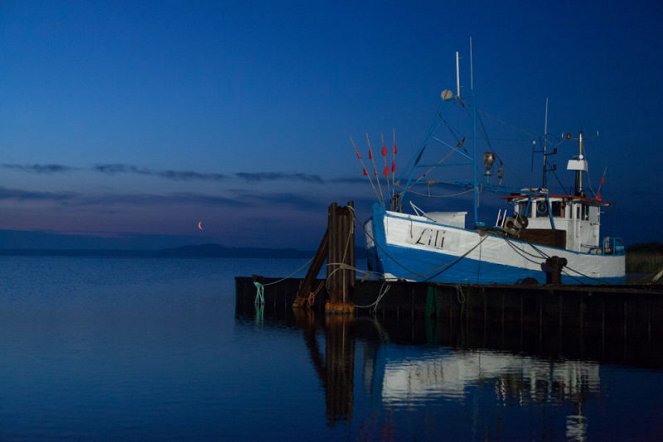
<point x="460" y="297"/>
<point x="441" y="196"/>
<point x="456" y="261"/>
<point x="290" y="275"/>
<point x="433" y="272"/>
<point x="542" y="254"/>
<point x="342" y="265"/>
<point x="384" y="288"/>
<point x="259" y="300"/>
<point x="520" y="251"/>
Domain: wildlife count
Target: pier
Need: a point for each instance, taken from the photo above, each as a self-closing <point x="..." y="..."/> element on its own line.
<point x="547" y="314"/>
<point x="622" y="324"/>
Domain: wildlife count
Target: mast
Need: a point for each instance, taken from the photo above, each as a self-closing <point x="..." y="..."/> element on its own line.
<point x="579" y="165"/>
<point x="544" y="180"/>
<point x="475" y="181"/>
<point x="579" y="172"/>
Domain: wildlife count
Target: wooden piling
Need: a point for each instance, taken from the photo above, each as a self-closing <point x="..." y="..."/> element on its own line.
<point x="306" y="295"/>
<point x="338" y="248"/>
<point x="340" y="258"/>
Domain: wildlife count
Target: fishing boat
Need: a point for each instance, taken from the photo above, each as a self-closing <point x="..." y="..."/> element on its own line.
<point x="537" y="230"/>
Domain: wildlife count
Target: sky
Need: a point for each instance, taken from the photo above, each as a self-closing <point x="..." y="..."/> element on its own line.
<point x="125" y="123"/>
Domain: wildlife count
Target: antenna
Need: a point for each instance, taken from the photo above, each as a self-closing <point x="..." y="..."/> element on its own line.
<point x="471" y="67"/>
<point x="544" y="181"/>
<point x="457" y="75"/>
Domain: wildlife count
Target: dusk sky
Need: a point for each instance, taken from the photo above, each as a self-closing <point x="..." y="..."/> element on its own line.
<point x="127" y="118"/>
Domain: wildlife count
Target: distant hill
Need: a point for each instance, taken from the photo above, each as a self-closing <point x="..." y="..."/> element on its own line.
<point x="218" y="251"/>
<point x="196" y="251"/>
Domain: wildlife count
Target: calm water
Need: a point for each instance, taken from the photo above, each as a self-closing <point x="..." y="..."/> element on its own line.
<point x="111" y="348"/>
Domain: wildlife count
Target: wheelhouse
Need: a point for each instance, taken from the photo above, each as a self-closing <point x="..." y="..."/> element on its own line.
<point x="564" y="221"/>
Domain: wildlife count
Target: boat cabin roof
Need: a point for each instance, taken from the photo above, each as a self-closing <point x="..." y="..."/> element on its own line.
<point x="519" y="197"/>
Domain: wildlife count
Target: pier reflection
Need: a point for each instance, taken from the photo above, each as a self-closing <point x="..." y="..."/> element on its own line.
<point x="335" y="367"/>
<point x="415" y="365"/>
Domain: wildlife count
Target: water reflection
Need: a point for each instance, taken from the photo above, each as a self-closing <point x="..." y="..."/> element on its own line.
<point x="404" y="367"/>
<point x="335" y="367"/>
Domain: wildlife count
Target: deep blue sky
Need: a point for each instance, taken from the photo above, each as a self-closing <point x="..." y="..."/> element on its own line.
<point x="123" y="118"/>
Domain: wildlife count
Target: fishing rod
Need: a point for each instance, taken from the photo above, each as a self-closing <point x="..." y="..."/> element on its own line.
<point x="363" y="167"/>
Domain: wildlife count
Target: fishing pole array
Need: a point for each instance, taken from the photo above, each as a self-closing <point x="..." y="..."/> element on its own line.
<point x="388" y="196"/>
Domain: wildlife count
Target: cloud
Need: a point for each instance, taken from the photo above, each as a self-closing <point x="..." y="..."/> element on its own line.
<point x="146" y="199"/>
<point x="239" y="199"/>
<point x="349" y="180"/>
<point x="175" y="175"/>
<point x="278" y="176"/>
<point x="292" y="200"/>
<point x="28" y="195"/>
<point x="40" y="168"/>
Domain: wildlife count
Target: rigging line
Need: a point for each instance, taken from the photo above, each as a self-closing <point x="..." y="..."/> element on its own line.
<point x="413" y="273"/>
<point x="560" y="182"/>
<point x="286" y="277"/>
<point x="430" y="169"/>
<point x="566" y="267"/>
<point x="421" y="150"/>
<point x="383" y="152"/>
<point x="384" y="288"/>
<point x="521" y="253"/>
<point x="435" y="271"/>
<point x="457" y="260"/>
<point x="442" y="196"/>
<point x="581" y="274"/>
<point x="375" y="169"/>
<point x="456" y="148"/>
<point x="541" y="252"/>
<point x="340" y="265"/>
<point x="509" y="125"/>
<point x="485" y="133"/>
<point x="453" y="132"/>
<point x="578" y="280"/>
<point x="393" y="168"/>
<point x="361" y="160"/>
<point x="387" y="253"/>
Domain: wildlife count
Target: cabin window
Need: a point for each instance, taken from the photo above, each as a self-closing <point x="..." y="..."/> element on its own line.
<point x="558" y="209"/>
<point x="585" y="212"/>
<point x="541" y="209"/>
<point x="577" y="212"/>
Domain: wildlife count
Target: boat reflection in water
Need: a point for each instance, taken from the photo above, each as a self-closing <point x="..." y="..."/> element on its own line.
<point x="389" y="381"/>
<point x="519" y="380"/>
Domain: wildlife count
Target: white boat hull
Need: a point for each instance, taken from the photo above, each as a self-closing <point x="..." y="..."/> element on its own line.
<point x="411" y="247"/>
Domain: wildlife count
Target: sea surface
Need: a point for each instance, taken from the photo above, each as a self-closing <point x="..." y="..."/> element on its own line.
<point x="151" y="349"/>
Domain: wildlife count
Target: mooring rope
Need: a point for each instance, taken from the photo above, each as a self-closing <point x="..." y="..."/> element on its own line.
<point x="259" y="300"/>
<point x="290" y="275"/>
<point x="542" y="254"/>
<point x="433" y="272"/>
<point x="384" y="288"/>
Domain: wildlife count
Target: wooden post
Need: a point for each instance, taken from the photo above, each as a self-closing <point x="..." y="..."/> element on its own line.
<point x="338" y="247"/>
<point x="340" y="258"/>
<point x="304" y="297"/>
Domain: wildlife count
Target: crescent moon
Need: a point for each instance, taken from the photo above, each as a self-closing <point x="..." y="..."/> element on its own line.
<point x="200" y="226"/>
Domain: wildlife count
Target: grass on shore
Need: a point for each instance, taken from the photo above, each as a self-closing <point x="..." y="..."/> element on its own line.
<point x="644" y="258"/>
